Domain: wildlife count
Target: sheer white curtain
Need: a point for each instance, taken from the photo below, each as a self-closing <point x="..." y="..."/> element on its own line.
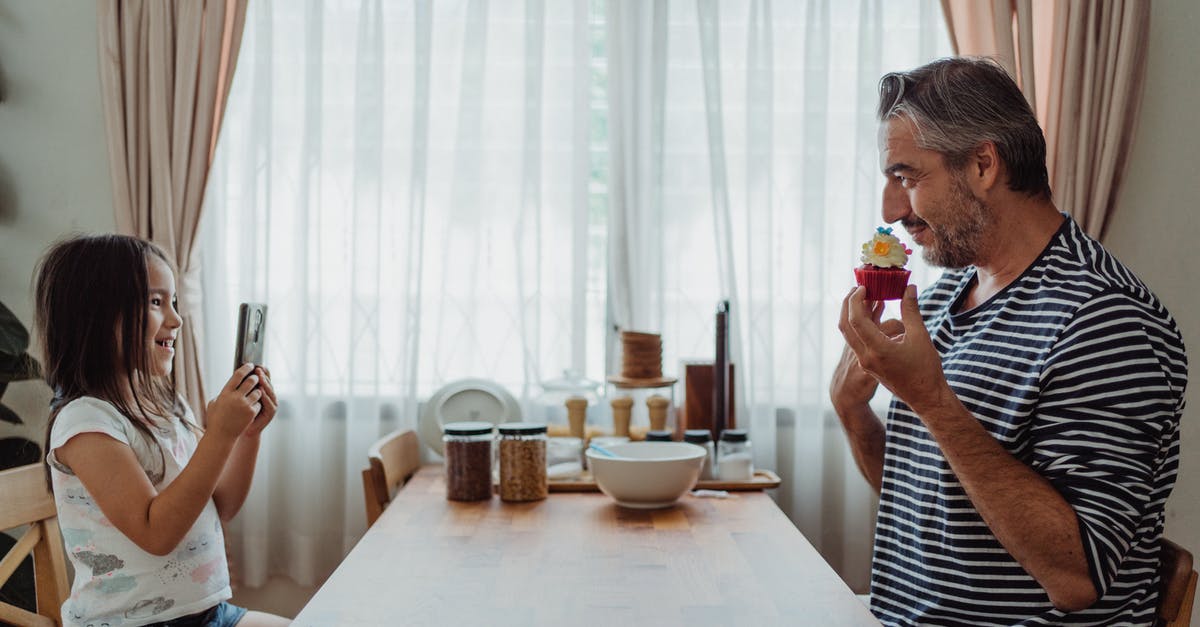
<point x="408" y="185"/>
<point x="745" y="149"/>
<point x="423" y="191"/>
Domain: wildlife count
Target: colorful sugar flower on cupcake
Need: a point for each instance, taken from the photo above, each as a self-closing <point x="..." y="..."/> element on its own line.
<point x="882" y="272"/>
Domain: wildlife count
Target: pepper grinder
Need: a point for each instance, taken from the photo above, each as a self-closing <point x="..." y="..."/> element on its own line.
<point x="577" y="415"/>
<point x="657" y="408"/>
<point x="622" y="409"/>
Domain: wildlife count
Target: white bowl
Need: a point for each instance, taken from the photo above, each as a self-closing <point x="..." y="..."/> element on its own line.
<point x="647" y="475"/>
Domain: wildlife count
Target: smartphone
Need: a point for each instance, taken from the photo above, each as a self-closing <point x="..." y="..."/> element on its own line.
<point x="251" y="334"/>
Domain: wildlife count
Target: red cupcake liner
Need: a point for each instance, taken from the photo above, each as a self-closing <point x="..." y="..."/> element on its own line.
<point x="882" y="284"/>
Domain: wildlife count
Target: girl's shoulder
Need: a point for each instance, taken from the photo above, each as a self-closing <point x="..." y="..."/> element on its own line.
<point x="86" y="414"/>
<point x="89" y="411"/>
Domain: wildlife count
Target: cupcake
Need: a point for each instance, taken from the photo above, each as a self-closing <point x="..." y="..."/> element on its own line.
<point x="882" y="272"/>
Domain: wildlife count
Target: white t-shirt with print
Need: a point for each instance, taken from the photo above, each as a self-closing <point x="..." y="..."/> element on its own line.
<point x="116" y="582"/>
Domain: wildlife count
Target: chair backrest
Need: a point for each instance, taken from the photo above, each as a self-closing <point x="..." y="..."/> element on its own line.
<point x="24" y="500"/>
<point x="1177" y="585"/>
<point x="392" y="460"/>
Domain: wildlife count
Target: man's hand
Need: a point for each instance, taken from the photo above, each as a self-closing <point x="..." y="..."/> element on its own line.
<point x="852" y="386"/>
<point x="897" y="353"/>
<point x="851" y="390"/>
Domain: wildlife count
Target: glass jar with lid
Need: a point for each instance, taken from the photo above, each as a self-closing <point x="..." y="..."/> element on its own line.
<point x="468" y="453"/>
<point x="735" y="459"/>
<point x="703" y="437"/>
<point x="551" y="404"/>
<point x="523" y="462"/>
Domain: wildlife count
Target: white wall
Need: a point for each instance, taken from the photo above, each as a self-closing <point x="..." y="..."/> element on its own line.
<point x="54" y="179"/>
<point x="53" y="153"/>
<point x="1156" y="229"/>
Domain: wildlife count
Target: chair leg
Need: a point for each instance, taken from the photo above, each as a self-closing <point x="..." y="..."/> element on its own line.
<point x="1185" y="608"/>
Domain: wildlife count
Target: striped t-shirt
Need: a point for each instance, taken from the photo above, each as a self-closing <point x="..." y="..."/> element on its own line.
<point x="1079" y="371"/>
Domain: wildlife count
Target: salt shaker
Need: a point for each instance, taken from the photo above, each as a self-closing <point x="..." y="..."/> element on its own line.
<point x="658" y="436"/>
<point x="656" y="407"/>
<point x="622" y="411"/>
<point x="735" y="461"/>
<point x="702" y="437"/>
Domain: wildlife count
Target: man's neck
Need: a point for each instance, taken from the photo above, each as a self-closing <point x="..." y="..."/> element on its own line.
<point x="1023" y="229"/>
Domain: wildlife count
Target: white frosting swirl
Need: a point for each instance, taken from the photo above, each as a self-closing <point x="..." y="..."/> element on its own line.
<point x="885" y="250"/>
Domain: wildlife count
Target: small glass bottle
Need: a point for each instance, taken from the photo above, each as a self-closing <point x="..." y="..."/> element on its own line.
<point x="702" y="437"/>
<point x="658" y="436"/>
<point x="735" y="460"/>
<point x="523" y="462"/>
<point x="468" y="452"/>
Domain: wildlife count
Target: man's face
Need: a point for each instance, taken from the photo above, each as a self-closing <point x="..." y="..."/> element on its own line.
<point x="932" y="202"/>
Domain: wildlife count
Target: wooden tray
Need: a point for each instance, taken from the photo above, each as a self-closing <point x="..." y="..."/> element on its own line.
<point x="762" y="480"/>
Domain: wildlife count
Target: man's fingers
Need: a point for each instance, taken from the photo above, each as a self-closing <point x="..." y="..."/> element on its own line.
<point x="892" y="327"/>
<point x="852" y="339"/>
<point x="910" y="312"/>
<point x="877" y="310"/>
<point x="862" y="323"/>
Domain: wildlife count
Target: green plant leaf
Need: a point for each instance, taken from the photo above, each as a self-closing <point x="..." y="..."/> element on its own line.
<point x="9" y="416"/>
<point x="20" y="368"/>
<point x="14" y="338"/>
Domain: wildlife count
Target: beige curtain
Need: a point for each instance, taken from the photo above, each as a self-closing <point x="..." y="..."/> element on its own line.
<point x="165" y="70"/>
<point x="1081" y="65"/>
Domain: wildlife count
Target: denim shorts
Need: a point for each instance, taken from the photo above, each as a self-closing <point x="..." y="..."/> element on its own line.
<point x="221" y="615"/>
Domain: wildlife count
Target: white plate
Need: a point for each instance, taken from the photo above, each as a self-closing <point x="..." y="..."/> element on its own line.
<point x="466" y="399"/>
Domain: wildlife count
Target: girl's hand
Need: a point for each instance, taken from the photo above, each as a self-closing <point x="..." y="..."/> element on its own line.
<point x="270" y="404"/>
<point x="236" y="405"/>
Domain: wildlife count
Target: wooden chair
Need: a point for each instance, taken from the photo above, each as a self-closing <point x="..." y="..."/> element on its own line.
<point x="393" y="459"/>
<point x="24" y="500"/>
<point x="1177" y="585"/>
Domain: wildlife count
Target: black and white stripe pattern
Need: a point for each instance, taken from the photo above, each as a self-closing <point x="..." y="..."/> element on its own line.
<point x="1079" y="371"/>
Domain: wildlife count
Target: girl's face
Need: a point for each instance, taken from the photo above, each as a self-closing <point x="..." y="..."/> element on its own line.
<point x="162" y="319"/>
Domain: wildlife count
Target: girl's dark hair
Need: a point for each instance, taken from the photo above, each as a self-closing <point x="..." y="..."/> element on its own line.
<point x="91" y="294"/>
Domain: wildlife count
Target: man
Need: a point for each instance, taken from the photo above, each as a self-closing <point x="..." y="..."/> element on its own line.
<point x="1033" y="437"/>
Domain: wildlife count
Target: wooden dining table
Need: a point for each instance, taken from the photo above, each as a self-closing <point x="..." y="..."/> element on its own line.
<point x="580" y="559"/>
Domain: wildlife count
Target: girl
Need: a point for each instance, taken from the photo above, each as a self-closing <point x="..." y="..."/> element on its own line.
<point x="141" y="490"/>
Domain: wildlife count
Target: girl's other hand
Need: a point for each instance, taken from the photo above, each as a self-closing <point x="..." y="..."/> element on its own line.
<point x="270" y="404"/>
<point x="236" y="405"/>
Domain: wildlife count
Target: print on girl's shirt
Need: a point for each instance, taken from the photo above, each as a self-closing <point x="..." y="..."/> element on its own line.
<point x="117" y="584"/>
<point x="101" y="563"/>
<point x="150" y="607"/>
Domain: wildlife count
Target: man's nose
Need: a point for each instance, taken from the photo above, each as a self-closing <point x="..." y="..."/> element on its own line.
<point x="895" y="203"/>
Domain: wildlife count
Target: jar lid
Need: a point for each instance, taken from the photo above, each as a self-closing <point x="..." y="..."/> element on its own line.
<point x="697" y="436"/>
<point x="733" y="435"/>
<point x="658" y="436"/>
<point x="522" y="428"/>
<point x="467" y="428"/>
<point x="572" y="381"/>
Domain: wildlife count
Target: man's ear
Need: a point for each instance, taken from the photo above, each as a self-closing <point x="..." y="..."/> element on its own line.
<point x="984" y="167"/>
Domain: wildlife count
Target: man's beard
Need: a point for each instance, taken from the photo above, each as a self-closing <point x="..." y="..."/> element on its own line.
<point x="957" y="242"/>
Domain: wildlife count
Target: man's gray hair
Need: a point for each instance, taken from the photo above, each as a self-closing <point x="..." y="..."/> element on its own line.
<point x="957" y="103"/>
